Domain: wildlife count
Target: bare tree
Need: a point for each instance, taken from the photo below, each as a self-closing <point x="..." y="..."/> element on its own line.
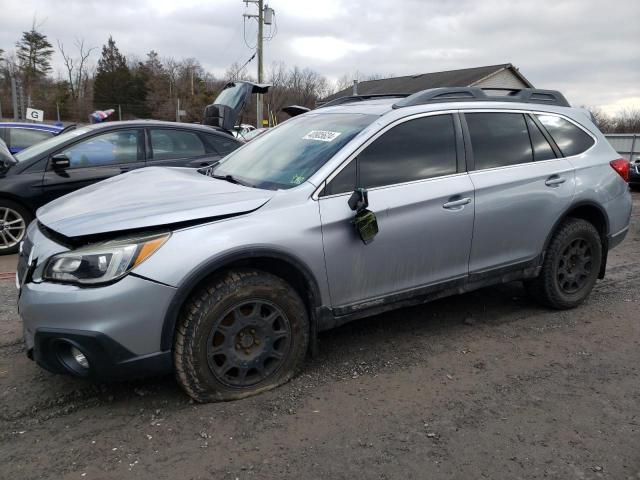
<point x="76" y="67"/>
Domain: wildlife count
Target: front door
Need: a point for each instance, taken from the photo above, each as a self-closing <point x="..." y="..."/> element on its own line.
<point x="94" y="159"/>
<point x="423" y="201"/>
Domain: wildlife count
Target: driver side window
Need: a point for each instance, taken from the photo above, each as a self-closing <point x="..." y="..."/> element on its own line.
<point x="112" y="148"/>
<point x="414" y="150"/>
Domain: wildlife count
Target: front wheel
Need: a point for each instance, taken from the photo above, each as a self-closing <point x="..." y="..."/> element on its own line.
<point x="14" y="219"/>
<point x="571" y="266"/>
<point x="243" y="333"/>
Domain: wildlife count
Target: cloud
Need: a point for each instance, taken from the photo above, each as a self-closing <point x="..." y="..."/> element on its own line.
<point x="326" y="49"/>
<point x="589" y="49"/>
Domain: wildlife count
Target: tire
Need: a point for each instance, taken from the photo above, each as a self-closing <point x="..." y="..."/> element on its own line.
<point x="571" y="266"/>
<point x="242" y="333"/>
<point x="14" y="220"/>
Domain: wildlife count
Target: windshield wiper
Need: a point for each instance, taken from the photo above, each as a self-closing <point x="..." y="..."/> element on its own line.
<point x="231" y="179"/>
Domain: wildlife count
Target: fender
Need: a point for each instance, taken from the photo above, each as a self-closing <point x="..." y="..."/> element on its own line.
<point x="604" y="239"/>
<point x="208" y="268"/>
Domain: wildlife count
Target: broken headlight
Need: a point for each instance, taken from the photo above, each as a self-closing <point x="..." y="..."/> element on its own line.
<point x="102" y="262"/>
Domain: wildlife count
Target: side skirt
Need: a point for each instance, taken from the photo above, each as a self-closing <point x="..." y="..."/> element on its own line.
<point x="328" y="319"/>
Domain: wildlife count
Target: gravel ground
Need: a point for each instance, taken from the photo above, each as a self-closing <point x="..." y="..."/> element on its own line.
<point x="484" y="385"/>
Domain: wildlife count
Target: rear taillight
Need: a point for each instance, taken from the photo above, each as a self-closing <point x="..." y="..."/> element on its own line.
<point x="621" y="166"/>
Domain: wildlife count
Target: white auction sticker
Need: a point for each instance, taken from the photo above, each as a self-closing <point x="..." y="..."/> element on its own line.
<point x="321" y="135"/>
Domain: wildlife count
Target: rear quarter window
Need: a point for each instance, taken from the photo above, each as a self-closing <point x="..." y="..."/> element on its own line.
<point x="571" y="140"/>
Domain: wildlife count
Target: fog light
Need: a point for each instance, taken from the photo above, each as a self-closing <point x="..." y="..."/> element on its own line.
<point x="79" y="357"/>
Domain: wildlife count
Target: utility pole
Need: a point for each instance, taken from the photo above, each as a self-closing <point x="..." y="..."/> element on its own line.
<point x="264" y="17"/>
<point x="259" y="48"/>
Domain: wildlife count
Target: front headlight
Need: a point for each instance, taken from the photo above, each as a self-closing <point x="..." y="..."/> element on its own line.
<point x="102" y="262"/>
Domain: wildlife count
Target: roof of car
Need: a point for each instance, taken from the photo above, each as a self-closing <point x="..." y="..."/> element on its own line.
<point x="385" y="105"/>
<point x="34" y="126"/>
<point x="157" y="123"/>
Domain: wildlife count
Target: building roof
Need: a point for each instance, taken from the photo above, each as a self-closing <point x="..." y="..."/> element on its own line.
<point x="465" y="77"/>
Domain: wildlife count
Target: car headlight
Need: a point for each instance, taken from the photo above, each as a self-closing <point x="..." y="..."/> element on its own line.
<point x="102" y="262"/>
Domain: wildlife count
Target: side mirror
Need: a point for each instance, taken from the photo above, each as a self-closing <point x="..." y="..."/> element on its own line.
<point x="60" y="162"/>
<point x="365" y="221"/>
<point x="359" y="199"/>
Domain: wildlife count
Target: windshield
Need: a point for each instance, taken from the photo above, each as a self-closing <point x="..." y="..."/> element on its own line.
<point x="40" y="147"/>
<point x="231" y="96"/>
<point x="288" y="155"/>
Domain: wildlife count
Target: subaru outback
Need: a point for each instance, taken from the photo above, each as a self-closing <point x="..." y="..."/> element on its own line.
<point x="226" y="275"/>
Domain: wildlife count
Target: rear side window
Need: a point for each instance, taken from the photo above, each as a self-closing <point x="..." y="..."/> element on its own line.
<point x="570" y="139"/>
<point x="167" y="144"/>
<point x="25" y="137"/>
<point x="542" y="150"/>
<point x="499" y="139"/>
<point x="414" y="150"/>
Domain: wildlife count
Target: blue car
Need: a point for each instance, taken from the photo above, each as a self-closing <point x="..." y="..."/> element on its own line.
<point x="19" y="136"/>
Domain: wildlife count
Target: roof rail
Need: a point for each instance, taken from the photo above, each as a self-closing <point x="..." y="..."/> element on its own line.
<point x="476" y="94"/>
<point x="360" y="98"/>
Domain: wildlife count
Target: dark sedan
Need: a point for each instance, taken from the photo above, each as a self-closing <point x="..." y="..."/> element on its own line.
<point x="86" y="155"/>
<point x="634" y="174"/>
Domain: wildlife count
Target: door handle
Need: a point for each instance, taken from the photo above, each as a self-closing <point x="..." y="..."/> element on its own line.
<point x="457" y="204"/>
<point x="554" y="181"/>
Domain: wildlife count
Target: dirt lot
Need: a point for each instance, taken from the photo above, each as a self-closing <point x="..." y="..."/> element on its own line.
<point x="486" y="385"/>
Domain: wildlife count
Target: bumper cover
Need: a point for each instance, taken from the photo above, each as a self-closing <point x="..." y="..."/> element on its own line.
<point x="118" y="327"/>
<point x="107" y="358"/>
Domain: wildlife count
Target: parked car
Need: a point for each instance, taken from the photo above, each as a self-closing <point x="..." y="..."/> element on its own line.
<point x="86" y="155"/>
<point x="256" y="132"/>
<point x="225" y="275"/>
<point x="240" y="131"/>
<point x="19" y="136"/>
<point x="634" y="175"/>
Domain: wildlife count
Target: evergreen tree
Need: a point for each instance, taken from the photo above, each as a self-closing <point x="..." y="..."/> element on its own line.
<point x="34" y="53"/>
<point x="140" y="91"/>
<point x="113" y="84"/>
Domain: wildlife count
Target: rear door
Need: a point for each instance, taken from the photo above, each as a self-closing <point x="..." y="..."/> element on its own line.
<point x="94" y="159"/>
<point x="423" y="200"/>
<point x="521" y="188"/>
<point x="179" y="148"/>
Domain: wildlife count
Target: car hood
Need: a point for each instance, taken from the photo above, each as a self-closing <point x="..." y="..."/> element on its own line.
<point x="149" y="197"/>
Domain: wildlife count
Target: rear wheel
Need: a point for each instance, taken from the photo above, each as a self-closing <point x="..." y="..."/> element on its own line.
<point x="245" y="332"/>
<point x="570" y="267"/>
<point x="14" y="219"/>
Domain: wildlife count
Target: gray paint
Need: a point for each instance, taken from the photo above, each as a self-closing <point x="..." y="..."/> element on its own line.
<point x="510" y="214"/>
<point x="146" y="198"/>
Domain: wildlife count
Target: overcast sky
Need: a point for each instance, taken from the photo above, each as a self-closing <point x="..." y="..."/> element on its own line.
<point x="589" y="49"/>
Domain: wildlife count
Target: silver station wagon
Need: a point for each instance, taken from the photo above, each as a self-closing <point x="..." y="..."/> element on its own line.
<point x="225" y="275"/>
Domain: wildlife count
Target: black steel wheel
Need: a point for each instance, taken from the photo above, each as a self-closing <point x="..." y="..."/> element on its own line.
<point x="240" y="334"/>
<point x="574" y="266"/>
<point x="571" y="266"/>
<point x="248" y="343"/>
